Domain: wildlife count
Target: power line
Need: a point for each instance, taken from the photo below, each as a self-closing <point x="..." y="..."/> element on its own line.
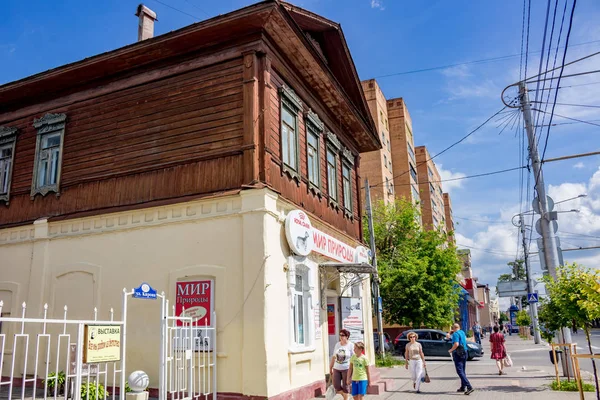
<point x="447" y="148"/>
<point x="482" y="221"/>
<point x="571" y="123"/>
<point x="177" y="9"/>
<point x="573" y="105"/>
<point x="491" y="251"/>
<point x="573" y="119"/>
<point x="484" y="60"/>
<point x="570" y="86"/>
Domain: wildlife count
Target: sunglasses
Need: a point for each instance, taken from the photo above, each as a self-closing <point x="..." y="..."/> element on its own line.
<point x="342" y="335"/>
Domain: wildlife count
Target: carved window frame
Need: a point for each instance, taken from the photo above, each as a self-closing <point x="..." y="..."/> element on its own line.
<point x="348" y="163"/>
<point x="334" y="146"/>
<point x="49" y="124"/>
<point x="8" y="138"/>
<point x="314" y="127"/>
<point x="292" y="104"/>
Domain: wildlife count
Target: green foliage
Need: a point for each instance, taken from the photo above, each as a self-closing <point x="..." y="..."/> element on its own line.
<point x="503" y="318"/>
<point x="88" y="391"/>
<point x="469" y="333"/>
<point x="417" y="268"/>
<point x="566" y="386"/>
<point x="523" y="318"/>
<point x="57" y="381"/>
<point x="387" y="361"/>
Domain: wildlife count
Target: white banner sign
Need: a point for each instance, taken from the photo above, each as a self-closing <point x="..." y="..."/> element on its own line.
<point x="352" y="318"/>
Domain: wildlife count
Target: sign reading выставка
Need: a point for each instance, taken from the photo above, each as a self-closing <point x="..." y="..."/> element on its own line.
<point x="195" y="300"/>
<point x="102" y="343"/>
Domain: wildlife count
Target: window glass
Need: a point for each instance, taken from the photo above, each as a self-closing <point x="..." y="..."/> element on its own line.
<point x="331" y="174"/>
<point x="289" y="138"/>
<point x="313" y="158"/>
<point x="5" y="167"/>
<point x="347" y="186"/>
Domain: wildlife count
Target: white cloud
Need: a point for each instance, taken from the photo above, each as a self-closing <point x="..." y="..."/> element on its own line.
<point x="459" y="71"/>
<point x="377" y="4"/>
<point x="579" y="165"/>
<point x="445" y="174"/>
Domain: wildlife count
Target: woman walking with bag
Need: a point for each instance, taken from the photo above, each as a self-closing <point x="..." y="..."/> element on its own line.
<point x="415" y="360"/>
<point x="498" y="349"/>
<point x="340" y="363"/>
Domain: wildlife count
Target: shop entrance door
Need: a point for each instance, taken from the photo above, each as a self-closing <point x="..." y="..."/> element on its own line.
<point x="332" y="323"/>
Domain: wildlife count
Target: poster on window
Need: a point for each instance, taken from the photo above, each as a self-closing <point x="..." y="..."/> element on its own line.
<point x="331" y="319"/>
<point x="352" y="318"/>
<point x="202" y="339"/>
<point x="196" y="300"/>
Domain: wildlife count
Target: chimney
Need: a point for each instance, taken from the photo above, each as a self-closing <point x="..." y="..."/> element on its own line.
<point x="146" y="23"/>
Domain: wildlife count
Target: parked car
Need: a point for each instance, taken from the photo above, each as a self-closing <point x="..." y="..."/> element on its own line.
<point x="434" y="344"/>
<point x="387" y="342"/>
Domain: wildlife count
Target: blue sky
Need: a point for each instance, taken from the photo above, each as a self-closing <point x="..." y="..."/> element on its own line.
<point x="388" y="37"/>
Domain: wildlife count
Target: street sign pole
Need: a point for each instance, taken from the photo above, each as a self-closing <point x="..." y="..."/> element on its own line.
<point x="533" y="310"/>
<point x="549" y="240"/>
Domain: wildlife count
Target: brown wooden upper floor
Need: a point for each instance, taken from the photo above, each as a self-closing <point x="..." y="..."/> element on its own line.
<point x="264" y="96"/>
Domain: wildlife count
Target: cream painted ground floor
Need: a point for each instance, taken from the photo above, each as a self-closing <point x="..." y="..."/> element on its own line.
<point x="273" y="324"/>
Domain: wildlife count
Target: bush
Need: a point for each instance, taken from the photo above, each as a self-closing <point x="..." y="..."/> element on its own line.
<point x="523" y="318"/>
<point x="470" y="333"/>
<point x="387" y="361"/>
<point x="57" y="381"/>
<point x="88" y="391"/>
<point x="566" y="386"/>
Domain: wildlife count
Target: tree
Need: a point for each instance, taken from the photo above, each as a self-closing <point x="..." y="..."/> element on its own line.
<point x="417" y="268"/>
<point x="575" y="297"/>
<point x="523" y="318"/>
<point x="503" y="318"/>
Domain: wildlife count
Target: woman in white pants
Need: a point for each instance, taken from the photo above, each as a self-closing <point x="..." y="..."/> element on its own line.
<point x="415" y="360"/>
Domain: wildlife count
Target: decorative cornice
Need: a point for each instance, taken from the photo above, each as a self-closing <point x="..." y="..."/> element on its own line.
<point x="333" y="141"/>
<point x="314" y="122"/>
<point x="49" y="119"/>
<point x="348" y="156"/>
<point x="289" y="98"/>
<point x="7" y="131"/>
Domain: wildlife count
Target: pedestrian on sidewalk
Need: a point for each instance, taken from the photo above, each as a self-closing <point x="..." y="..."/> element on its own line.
<point x="498" y="349"/>
<point x="340" y="363"/>
<point x="359" y="372"/>
<point x="415" y="360"/>
<point x="459" y="354"/>
<point x="477" y="332"/>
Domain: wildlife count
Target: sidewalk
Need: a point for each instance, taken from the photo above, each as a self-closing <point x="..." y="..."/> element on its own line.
<point x="530" y="383"/>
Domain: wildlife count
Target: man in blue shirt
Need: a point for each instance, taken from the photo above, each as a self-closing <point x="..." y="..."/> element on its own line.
<point x="459" y="354"/>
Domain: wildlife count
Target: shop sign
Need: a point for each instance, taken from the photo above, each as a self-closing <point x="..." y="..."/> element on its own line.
<point x="196" y="300"/>
<point x="352" y="318"/>
<point x="318" y="330"/>
<point x="102" y="343"/>
<point x="299" y="232"/>
<point x="303" y="238"/>
<point x="362" y="255"/>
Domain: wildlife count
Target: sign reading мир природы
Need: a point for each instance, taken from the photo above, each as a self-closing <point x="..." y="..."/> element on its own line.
<point x="196" y="300"/>
<point x="102" y="343"/>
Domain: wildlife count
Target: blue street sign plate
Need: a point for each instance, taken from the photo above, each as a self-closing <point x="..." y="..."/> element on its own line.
<point x="379" y="304"/>
<point x="532" y="297"/>
<point x="144" y="291"/>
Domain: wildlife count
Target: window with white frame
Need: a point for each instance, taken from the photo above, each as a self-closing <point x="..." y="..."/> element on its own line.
<point x="301" y="307"/>
<point x="48" y="154"/>
<point x="290" y="152"/>
<point x="332" y="175"/>
<point x="8" y="138"/>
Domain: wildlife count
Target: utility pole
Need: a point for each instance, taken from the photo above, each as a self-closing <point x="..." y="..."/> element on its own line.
<point x="374" y="264"/>
<point x="548" y="238"/>
<point x="533" y="311"/>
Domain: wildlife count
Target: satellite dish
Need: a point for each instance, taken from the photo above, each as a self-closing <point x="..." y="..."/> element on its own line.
<point x="536" y="204"/>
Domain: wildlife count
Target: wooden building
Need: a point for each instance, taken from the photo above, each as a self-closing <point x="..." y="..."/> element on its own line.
<point x="178" y="157"/>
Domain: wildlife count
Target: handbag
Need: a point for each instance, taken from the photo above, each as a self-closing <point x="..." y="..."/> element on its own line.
<point x="507" y="361"/>
<point x="460" y="351"/>
<point x="426" y="379"/>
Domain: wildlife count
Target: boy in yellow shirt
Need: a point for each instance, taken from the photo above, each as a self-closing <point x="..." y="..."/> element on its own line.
<point x="359" y="371"/>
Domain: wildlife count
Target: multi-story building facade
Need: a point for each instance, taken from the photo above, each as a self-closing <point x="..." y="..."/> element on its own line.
<point x="225" y="152"/>
<point x="392" y="170"/>
<point x="403" y="151"/>
<point x="486" y="317"/>
<point x="377" y="165"/>
<point x="449" y="218"/>
<point x="430" y="190"/>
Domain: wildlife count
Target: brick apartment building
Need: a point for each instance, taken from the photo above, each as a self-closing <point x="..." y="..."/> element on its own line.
<point x="449" y="218"/>
<point x="395" y="165"/>
<point x="430" y="188"/>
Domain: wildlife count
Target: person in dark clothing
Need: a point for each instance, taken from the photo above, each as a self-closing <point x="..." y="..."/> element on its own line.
<point x="459" y="354"/>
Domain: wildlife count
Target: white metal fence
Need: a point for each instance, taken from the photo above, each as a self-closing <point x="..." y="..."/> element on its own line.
<point x="188" y="357"/>
<point x="41" y="357"/>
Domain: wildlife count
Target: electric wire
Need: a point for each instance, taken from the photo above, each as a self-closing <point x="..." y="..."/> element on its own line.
<point x="577" y="105"/>
<point x="573" y="119"/>
<point x="447" y="148"/>
<point x="177" y="9"/>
